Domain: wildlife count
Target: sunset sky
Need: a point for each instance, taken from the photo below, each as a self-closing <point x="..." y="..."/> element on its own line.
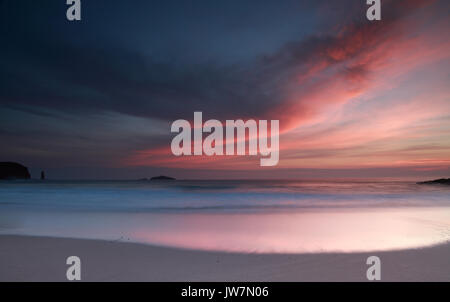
<point x="96" y="98"/>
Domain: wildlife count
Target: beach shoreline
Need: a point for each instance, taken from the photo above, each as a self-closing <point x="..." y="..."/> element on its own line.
<point x="31" y="258"/>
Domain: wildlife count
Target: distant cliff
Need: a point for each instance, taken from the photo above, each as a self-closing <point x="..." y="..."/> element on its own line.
<point x="442" y="181"/>
<point x="10" y="170"/>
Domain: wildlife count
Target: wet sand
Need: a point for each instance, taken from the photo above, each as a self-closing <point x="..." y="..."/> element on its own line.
<point x="27" y="258"/>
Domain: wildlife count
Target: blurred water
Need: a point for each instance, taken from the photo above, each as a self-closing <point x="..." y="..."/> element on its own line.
<point x="242" y="195"/>
<point x="242" y="216"/>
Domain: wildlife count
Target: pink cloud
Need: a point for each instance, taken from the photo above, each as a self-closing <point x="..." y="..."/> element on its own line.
<point x="346" y="103"/>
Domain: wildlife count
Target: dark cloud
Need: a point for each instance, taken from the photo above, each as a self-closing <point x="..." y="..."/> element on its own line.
<point x="47" y="72"/>
<point x="49" y="63"/>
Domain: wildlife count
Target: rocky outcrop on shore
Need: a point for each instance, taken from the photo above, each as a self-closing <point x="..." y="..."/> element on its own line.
<point x="441" y="181"/>
<point x="11" y="170"/>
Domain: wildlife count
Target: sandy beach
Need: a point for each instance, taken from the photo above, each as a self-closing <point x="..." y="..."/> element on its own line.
<point x="27" y="258"/>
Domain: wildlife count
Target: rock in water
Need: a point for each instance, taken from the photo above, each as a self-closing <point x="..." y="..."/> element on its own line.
<point x="10" y="170"/>
<point x="162" y="177"/>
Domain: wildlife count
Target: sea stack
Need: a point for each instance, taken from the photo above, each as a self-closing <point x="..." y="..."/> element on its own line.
<point x="11" y="170"/>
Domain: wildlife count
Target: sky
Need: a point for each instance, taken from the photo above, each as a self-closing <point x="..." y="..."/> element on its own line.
<point x="95" y="98"/>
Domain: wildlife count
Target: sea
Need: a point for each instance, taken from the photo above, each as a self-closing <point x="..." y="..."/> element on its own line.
<point x="243" y="216"/>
